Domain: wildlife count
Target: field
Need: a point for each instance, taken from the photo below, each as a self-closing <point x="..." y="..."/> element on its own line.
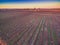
<point x="29" y="27"/>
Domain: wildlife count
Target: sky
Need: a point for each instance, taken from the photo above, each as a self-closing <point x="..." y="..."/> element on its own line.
<point x="29" y="3"/>
<point x="5" y="1"/>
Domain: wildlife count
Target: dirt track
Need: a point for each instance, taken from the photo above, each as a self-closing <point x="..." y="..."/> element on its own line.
<point x="30" y="28"/>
